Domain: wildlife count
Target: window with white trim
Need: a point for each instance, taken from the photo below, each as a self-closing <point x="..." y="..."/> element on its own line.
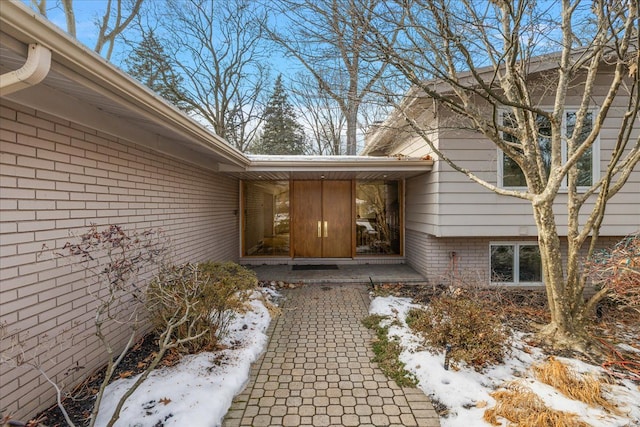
<point x="515" y="263"/>
<point x="509" y="173"/>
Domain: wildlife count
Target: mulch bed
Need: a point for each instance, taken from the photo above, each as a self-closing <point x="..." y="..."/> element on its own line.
<point x="80" y="403"/>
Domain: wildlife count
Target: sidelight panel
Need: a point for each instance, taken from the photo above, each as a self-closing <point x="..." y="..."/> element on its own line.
<point x="266" y="218"/>
<point x="378" y="222"/>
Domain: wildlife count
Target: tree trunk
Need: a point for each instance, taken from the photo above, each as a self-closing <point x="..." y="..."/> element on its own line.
<point x="352" y="128"/>
<point x="567" y="327"/>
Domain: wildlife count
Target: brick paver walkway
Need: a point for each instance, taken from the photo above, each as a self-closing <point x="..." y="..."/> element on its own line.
<point x="317" y="369"/>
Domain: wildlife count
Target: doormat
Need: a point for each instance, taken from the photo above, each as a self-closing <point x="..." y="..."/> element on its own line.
<point x="315" y="267"/>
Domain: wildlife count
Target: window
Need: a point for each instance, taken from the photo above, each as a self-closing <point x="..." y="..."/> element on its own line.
<point x="510" y="174"/>
<point x="515" y="263"/>
<point x="586" y="163"/>
<point x="377" y="218"/>
<point x="266" y="218"/>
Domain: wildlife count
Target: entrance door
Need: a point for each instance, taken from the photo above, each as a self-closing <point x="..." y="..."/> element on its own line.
<point x="322" y="219"/>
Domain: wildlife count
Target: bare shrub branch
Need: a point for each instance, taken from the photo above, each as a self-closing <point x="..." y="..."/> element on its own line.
<point x="617" y="271"/>
<point x="117" y="265"/>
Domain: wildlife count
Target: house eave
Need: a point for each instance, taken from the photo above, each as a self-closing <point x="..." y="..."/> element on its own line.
<point x="331" y="167"/>
<point x="117" y="91"/>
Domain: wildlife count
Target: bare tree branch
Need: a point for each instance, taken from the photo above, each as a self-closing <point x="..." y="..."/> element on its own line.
<point x="329" y="40"/>
<point x="487" y="67"/>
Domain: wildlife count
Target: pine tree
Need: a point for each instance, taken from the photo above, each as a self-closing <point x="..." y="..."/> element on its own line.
<point x="149" y="64"/>
<point x="281" y="134"/>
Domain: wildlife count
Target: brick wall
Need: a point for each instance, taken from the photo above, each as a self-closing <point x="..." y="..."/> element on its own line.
<point x="431" y="256"/>
<point x="57" y="178"/>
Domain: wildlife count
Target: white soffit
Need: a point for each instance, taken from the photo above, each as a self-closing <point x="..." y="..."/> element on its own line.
<point x="331" y="167"/>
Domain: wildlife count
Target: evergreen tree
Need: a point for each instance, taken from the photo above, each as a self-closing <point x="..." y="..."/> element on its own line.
<point x="149" y="64"/>
<point x="281" y="134"/>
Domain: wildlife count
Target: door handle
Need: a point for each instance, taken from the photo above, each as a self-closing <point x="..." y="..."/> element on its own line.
<point x="326" y="229"/>
<point x="319" y="228"/>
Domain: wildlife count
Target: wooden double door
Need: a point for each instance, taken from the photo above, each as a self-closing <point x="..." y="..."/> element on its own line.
<point x="322" y="219"/>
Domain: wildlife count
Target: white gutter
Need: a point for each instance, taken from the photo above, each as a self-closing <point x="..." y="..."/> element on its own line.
<point x="34" y="70"/>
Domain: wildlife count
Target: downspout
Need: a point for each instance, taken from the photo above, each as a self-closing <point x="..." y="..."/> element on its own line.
<point x="34" y="70"/>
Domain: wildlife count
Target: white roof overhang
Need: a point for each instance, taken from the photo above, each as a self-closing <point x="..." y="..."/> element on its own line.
<point x="84" y="88"/>
<point x="331" y="167"/>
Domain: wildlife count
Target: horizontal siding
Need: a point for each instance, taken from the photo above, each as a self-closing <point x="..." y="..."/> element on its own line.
<point x="57" y="178"/>
<point x="450" y="204"/>
<point x="421" y="203"/>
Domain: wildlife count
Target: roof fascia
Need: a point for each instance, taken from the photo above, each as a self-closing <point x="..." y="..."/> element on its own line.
<point x="28" y="27"/>
<point x="337" y="164"/>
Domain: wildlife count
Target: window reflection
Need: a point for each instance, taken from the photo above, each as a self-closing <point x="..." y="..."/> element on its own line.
<point x="377" y="217"/>
<point x="512" y="175"/>
<point x="516" y="263"/>
<point x="266" y="217"/>
<point x="502" y="258"/>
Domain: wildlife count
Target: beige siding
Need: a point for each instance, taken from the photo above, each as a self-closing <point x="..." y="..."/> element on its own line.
<point x="57" y="178"/>
<point x="421" y="202"/>
<point x="467" y="209"/>
<point x="422" y="195"/>
<point x="448" y="204"/>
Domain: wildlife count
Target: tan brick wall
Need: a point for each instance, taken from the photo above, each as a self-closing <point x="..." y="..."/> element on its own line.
<point x="57" y="178"/>
<point x="431" y="256"/>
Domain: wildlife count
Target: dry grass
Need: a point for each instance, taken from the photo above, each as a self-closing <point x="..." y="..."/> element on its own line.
<point x="583" y="387"/>
<point x="524" y="408"/>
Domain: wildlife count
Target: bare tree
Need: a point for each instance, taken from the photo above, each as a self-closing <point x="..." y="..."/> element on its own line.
<point x="117" y="16"/>
<point x="320" y="115"/>
<point x="328" y="38"/>
<point x="482" y="64"/>
<point x="216" y="49"/>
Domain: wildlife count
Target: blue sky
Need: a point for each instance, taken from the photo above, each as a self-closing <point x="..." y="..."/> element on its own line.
<point x="86" y="11"/>
<point x="89" y="12"/>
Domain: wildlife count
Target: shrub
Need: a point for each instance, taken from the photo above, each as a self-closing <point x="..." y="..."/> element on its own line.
<point x="209" y="294"/>
<point x="473" y="332"/>
<point x="618" y="271"/>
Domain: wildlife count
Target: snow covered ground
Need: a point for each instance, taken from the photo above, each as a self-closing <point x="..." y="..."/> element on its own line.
<point x="466" y="392"/>
<point x="199" y="390"/>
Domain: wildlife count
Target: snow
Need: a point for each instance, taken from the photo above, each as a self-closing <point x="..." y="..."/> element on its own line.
<point x="466" y="392"/>
<point x="199" y="390"/>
